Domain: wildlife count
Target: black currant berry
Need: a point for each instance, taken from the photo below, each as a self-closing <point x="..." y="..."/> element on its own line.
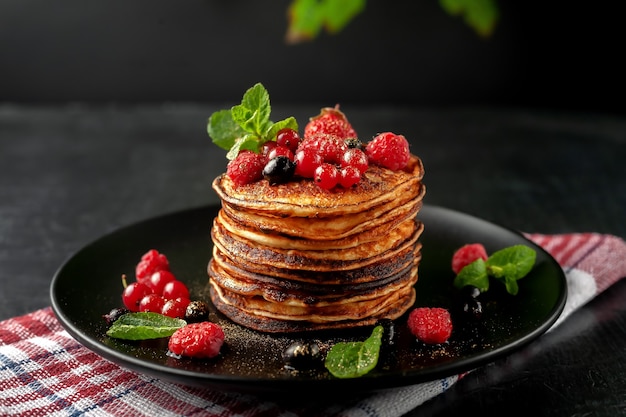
<point x="197" y="311"/>
<point x="115" y="314"/>
<point x="279" y="170"/>
<point x="302" y="355"/>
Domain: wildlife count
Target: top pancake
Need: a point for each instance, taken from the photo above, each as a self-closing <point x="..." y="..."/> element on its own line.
<point x="304" y="198"/>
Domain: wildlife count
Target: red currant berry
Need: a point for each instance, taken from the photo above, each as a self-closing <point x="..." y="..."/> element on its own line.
<point x="326" y="176"/>
<point x="288" y="138"/>
<point x="151" y="262"/>
<point x="132" y="295"/>
<point x="246" y="168"/>
<point x="152" y="302"/>
<point x="158" y="280"/>
<point x="267" y="147"/>
<point x="176" y="307"/>
<point x="307" y="160"/>
<point x="355" y="158"/>
<point x="175" y="289"/>
<point x="349" y="176"/>
<point x="280" y="151"/>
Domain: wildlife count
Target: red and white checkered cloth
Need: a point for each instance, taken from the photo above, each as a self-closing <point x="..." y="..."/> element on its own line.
<point x="45" y="372"/>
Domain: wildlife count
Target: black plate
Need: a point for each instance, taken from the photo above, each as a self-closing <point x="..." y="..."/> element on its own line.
<point x="88" y="285"/>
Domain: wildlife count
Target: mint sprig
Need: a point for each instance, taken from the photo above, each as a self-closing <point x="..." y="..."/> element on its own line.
<point x="507" y="265"/>
<point x="246" y="125"/>
<point x="144" y="325"/>
<point x="354" y="359"/>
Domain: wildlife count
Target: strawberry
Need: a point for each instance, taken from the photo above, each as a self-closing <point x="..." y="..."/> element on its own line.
<point x="332" y="121"/>
<point x="197" y="340"/>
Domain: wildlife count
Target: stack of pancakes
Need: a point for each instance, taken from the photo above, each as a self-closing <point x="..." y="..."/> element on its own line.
<point x="294" y="257"/>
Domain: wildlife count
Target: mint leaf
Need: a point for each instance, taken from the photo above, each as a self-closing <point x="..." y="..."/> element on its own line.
<point x="513" y="262"/>
<point x="144" y="325"/>
<point x="223" y="129"/>
<point x="253" y="114"/>
<point x="246" y="125"/>
<point x="474" y="274"/>
<point x="506" y="265"/>
<point x="354" y="359"/>
<point x="510" y="264"/>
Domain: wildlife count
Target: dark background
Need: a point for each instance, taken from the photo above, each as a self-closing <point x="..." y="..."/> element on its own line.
<point x="563" y="55"/>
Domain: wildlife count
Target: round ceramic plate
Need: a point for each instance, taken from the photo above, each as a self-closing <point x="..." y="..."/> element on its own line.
<point x="89" y="285"/>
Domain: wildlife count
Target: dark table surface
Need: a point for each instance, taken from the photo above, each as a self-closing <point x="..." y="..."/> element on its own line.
<point x="69" y="175"/>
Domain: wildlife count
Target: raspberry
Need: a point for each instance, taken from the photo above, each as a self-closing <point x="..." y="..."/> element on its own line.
<point x="330" y="121"/>
<point x="330" y="147"/>
<point x="430" y="325"/>
<point x="197" y="340"/>
<point x="388" y="150"/>
<point x="151" y="262"/>
<point x="247" y="167"/>
<point x="467" y="254"/>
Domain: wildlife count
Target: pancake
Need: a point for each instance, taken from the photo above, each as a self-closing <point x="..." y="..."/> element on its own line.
<point x="303" y="198"/>
<point x="294" y="257"/>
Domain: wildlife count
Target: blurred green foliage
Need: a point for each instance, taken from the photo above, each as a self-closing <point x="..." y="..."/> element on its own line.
<point x="307" y="18"/>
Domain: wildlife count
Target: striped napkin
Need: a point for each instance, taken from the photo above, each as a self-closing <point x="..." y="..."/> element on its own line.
<point x="45" y="372"/>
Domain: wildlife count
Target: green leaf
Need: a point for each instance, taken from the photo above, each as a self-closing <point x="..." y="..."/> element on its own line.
<point x="246" y="125"/>
<point x="144" y="325"/>
<point x="338" y="13"/>
<point x="513" y="262"/>
<point x="354" y="359"/>
<point x="253" y="114"/>
<point x="271" y="132"/>
<point x="223" y="130"/>
<point x="307" y="18"/>
<point x="474" y="274"/>
<point x="480" y="15"/>
<point x="248" y="141"/>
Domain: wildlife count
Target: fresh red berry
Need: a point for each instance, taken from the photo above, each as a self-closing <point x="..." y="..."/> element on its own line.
<point x="467" y="254"/>
<point x="330" y="121"/>
<point x="151" y="262"/>
<point x="349" y="176"/>
<point x="246" y="168"/>
<point x="307" y="160"/>
<point x="280" y="151"/>
<point x="430" y="325"/>
<point x="152" y="302"/>
<point x="326" y="176"/>
<point x="355" y="158"/>
<point x="267" y="147"/>
<point x="197" y="340"/>
<point x="157" y="281"/>
<point x="288" y="138"/>
<point x="330" y="147"/>
<point x="388" y="150"/>
<point x="176" y="307"/>
<point x="175" y="289"/>
<point x="133" y="293"/>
